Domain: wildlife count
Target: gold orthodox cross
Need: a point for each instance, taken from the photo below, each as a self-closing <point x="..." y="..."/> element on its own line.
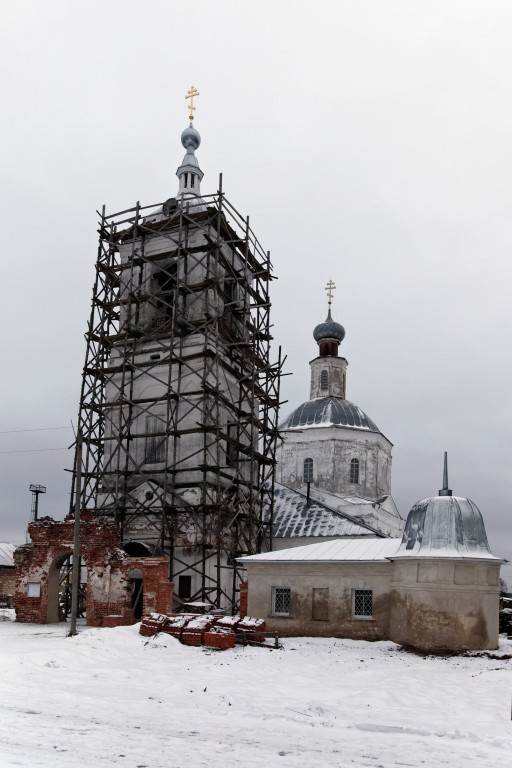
<point x="192" y="91"/>
<point x="330" y="287"/>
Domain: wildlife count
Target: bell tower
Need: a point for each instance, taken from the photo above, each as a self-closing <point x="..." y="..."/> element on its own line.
<point x="328" y="370"/>
<point x="179" y="398"/>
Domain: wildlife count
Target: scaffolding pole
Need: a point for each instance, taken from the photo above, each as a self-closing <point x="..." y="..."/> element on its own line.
<point x="180" y="396"/>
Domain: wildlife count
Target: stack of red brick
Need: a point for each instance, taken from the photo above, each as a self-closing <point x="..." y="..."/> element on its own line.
<point x="211" y="631"/>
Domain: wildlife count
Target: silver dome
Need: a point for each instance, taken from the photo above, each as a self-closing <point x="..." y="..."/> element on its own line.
<point x="190" y="137"/>
<point x="327" y="412"/>
<point x="445" y="526"/>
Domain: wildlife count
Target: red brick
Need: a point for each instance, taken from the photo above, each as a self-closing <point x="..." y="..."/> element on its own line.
<point x="191" y="638"/>
<point x="244" y="587"/>
<point x="100" y="549"/>
<point x="219" y="639"/>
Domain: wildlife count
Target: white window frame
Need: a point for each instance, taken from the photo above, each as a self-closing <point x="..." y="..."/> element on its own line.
<point x="355" y="471"/>
<point x="307" y="474"/>
<point x="361" y="616"/>
<point x="275" y="590"/>
<point x="33" y="589"/>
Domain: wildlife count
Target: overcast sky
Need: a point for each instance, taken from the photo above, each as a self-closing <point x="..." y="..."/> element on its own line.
<point x="370" y="142"/>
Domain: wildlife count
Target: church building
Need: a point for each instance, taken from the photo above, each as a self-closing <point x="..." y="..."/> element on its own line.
<point x="436" y="588"/>
<point x="333" y="464"/>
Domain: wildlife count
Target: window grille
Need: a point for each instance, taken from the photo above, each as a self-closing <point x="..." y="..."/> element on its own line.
<point x="308" y="470"/>
<point x="281" y="602"/>
<point x="354" y="471"/>
<point x="324" y="379"/>
<point x="363" y="602"/>
<point x="155" y="443"/>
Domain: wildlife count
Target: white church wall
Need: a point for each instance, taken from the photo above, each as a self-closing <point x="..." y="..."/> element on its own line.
<point x="439" y="604"/>
<point x="187" y="380"/>
<point x="334" y="380"/>
<point x="332" y="450"/>
<point x="338" y="581"/>
<point x="435" y="605"/>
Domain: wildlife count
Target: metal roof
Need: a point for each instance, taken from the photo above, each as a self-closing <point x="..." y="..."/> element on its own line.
<point x="293" y="517"/>
<point x="340" y="550"/>
<point x="329" y="329"/>
<point x="6" y="554"/>
<point x="445" y="526"/>
<point x="327" y="412"/>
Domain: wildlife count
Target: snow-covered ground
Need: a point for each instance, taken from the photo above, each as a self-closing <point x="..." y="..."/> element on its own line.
<point x="111" y="697"/>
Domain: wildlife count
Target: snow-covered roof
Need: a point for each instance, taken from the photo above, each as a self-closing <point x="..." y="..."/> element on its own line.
<point x="367" y="549"/>
<point x="293" y="516"/>
<point x="6" y="554"/>
<point x="328" y="412"/>
<point x="340" y="550"/>
<point x="445" y="526"/>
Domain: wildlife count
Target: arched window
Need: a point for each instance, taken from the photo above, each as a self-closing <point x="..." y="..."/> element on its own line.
<point x="156" y="439"/>
<point x="232" y="445"/>
<point x="308" y="470"/>
<point x="324" y="379"/>
<point x="354" y="471"/>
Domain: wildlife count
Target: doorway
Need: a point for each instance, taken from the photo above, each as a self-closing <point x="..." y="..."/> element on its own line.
<point x="60" y="583"/>
<point x="136" y="581"/>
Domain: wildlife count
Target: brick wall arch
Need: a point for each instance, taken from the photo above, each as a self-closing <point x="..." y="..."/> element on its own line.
<point x="52" y="587"/>
<point x="108" y="591"/>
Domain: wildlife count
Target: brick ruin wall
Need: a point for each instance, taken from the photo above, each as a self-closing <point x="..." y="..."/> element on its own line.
<point x="109" y="594"/>
<point x="7" y="580"/>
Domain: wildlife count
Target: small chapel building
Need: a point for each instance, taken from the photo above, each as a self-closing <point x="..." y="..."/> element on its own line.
<point x="436" y="588"/>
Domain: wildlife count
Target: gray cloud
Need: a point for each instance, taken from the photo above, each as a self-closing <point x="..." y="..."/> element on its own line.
<point x="370" y="143"/>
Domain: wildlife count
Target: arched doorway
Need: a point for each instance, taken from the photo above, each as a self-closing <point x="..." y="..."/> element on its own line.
<point x="52" y="610"/>
<point x="60" y="587"/>
<point x="136" y="581"/>
<point x="66" y="589"/>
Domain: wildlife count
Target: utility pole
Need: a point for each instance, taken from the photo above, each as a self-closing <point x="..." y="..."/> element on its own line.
<point x="75" y="578"/>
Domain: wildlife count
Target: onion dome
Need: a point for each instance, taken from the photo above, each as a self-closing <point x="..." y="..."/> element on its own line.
<point x="329" y="329"/>
<point x="328" y="335"/>
<point x="190" y="138"/>
<point x="445" y="526"/>
<point x="328" y="412"/>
